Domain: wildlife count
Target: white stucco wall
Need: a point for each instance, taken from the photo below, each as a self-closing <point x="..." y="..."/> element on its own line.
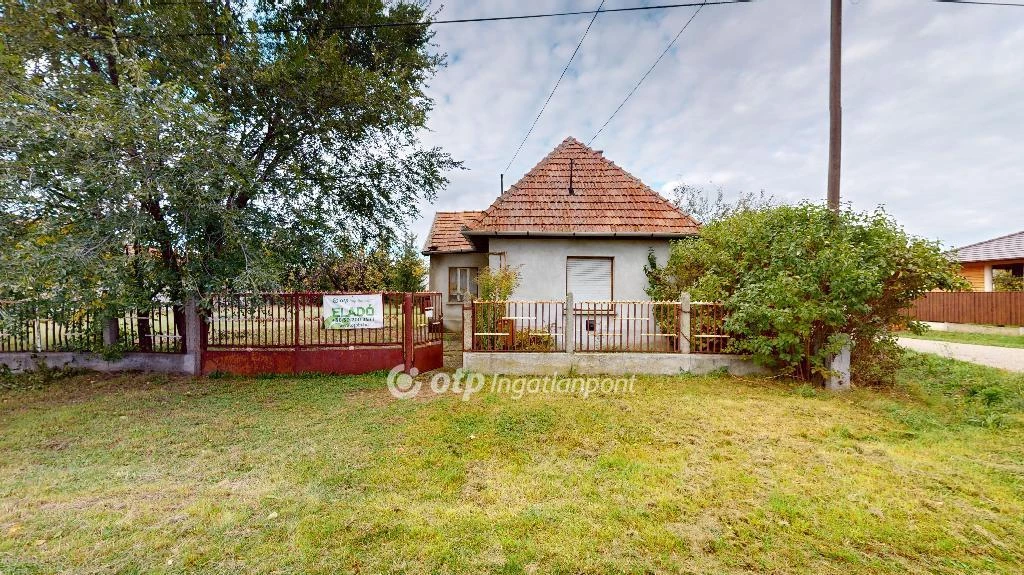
<point x="439" y="264"/>
<point x="541" y="263"/>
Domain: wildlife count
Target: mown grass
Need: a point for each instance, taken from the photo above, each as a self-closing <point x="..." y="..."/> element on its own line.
<point x="143" y="473"/>
<point x="975" y="338"/>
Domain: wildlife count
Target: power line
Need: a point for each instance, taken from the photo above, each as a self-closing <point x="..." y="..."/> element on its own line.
<point x="341" y="27"/>
<point x="559" y="81"/>
<point x="647" y="73"/>
<point x="978" y="3"/>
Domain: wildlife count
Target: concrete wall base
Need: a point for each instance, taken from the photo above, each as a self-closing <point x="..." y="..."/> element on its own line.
<point x="507" y="363"/>
<point x="974" y="328"/>
<point x="156" y="362"/>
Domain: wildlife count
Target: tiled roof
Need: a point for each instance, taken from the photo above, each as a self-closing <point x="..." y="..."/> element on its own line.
<point x="605" y="200"/>
<point x="1008" y="247"/>
<point x="446" y="232"/>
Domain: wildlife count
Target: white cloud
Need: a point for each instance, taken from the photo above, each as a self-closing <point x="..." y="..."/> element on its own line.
<point x="932" y="114"/>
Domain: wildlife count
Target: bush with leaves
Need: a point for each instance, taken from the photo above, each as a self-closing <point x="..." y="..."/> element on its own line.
<point x="1004" y="280"/>
<point x="498" y="284"/>
<point x="494" y="288"/>
<point x="797" y="281"/>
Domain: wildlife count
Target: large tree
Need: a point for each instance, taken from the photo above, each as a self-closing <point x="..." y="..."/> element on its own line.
<point x="179" y="148"/>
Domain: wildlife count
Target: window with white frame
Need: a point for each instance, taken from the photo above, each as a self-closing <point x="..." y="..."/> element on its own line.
<point x="462" y="284"/>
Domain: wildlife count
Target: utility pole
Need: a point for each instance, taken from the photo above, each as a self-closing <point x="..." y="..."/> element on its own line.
<point x="835" y="108"/>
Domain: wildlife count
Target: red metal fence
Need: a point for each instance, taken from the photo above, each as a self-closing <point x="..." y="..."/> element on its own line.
<point x="519" y="326"/>
<point x="605" y="326"/>
<point x="285" y="333"/>
<point x="707" y="328"/>
<point x="990" y="308"/>
<point x="637" y="326"/>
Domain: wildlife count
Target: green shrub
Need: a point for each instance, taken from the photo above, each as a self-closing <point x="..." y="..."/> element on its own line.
<point x="494" y="286"/>
<point x="798" y="280"/>
<point x="534" y="341"/>
<point x="1004" y="280"/>
<point x="497" y="285"/>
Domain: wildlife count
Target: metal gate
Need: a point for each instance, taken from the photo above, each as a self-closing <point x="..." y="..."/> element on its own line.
<point x="251" y="334"/>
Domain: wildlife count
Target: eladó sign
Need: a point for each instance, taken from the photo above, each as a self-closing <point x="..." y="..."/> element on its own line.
<point x="353" y="311"/>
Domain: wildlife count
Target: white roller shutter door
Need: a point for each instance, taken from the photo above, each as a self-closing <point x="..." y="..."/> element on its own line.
<point x="589" y="279"/>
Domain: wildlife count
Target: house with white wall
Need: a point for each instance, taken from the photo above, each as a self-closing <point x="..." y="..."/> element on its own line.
<point x="575" y="223"/>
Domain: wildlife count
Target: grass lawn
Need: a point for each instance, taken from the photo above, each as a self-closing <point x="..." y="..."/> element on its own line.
<point x="141" y="473"/>
<point x="975" y="338"/>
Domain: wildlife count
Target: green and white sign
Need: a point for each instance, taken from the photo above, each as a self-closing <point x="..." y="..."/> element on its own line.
<point x="353" y="311"/>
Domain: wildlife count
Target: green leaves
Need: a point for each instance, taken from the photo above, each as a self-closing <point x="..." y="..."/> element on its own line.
<point x="150" y="161"/>
<point x="797" y="279"/>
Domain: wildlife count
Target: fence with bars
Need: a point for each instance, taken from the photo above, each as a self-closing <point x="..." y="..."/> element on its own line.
<point x="295" y="320"/>
<point x="27" y="328"/>
<point x="240" y="333"/>
<point x="286" y="333"/>
<point x="597" y="326"/>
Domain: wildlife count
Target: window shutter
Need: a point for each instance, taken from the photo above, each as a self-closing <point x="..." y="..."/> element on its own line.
<point x="589" y="279"/>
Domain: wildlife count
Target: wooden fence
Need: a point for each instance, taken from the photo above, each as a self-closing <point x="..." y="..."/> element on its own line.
<point x="989" y="308"/>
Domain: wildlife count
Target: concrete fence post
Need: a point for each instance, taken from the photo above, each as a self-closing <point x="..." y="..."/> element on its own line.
<point x="467" y="326"/>
<point x="684" y="323"/>
<point x="193" y="338"/>
<point x="570" y="325"/>
<point x="111" y="331"/>
<point x="839" y="380"/>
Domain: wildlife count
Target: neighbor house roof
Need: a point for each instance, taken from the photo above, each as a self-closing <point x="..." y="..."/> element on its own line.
<point x="604" y="200"/>
<point x="1008" y="247"/>
<point x="446" y="233"/>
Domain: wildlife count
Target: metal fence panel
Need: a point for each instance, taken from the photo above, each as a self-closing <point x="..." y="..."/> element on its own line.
<point x="295" y="320"/>
<point x="523" y="326"/>
<point x="707" y="328"/>
<point x="628" y="326"/>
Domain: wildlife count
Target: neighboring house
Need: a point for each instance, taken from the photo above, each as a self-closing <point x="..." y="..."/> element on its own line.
<point x="980" y="261"/>
<point x="574" y="223"/>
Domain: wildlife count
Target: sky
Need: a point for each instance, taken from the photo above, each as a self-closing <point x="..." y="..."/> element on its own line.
<point x="933" y="103"/>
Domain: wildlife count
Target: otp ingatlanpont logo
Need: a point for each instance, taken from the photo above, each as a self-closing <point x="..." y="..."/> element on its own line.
<point x="403" y="385"/>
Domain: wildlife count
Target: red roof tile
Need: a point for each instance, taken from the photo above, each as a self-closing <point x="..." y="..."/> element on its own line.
<point x="446" y="232"/>
<point x="606" y="200"/>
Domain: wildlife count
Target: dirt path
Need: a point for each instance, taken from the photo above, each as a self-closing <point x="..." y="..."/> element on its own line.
<point x="1002" y="357"/>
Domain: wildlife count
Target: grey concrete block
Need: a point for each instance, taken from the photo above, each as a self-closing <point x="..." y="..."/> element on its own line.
<point x="512" y="363"/>
<point x="155" y="362"/>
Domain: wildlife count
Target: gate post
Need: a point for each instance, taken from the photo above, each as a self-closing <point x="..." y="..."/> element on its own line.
<point x="194" y="340"/>
<point x="569" y="329"/>
<point x="467" y="326"/>
<point x="684" y="323"/>
<point x="111" y="331"/>
<point x="408" y="343"/>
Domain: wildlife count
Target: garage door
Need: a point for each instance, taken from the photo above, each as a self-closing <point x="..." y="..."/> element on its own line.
<point x="589" y="279"/>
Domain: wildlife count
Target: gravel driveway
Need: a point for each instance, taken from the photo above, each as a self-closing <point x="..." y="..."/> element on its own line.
<point x="1001" y="357"/>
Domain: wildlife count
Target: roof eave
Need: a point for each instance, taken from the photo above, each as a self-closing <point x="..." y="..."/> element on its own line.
<point x="443" y="252"/>
<point x="567" y="234"/>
